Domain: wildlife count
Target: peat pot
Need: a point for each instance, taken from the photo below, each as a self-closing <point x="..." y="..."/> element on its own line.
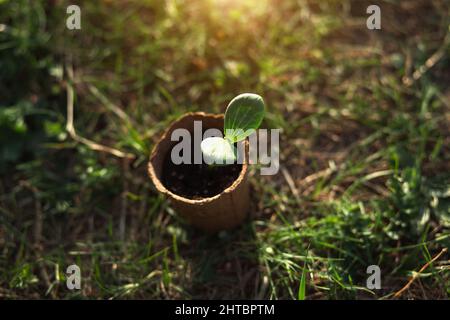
<point x="225" y="209"/>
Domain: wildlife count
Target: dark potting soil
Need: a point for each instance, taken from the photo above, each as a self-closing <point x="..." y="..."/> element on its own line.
<point x="198" y="181"/>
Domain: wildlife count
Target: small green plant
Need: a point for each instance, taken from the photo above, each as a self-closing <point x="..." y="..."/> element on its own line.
<point x="243" y="116"/>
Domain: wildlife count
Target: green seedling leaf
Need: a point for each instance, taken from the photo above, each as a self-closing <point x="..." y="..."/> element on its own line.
<point x="217" y="150"/>
<point x="243" y="116"/>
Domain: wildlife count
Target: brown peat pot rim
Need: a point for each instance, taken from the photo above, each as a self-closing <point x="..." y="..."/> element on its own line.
<point x="158" y="183"/>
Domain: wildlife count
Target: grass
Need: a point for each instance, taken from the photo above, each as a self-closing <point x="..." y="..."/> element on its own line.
<point x="364" y="148"/>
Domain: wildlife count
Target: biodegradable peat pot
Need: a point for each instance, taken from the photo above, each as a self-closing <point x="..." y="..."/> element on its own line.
<point x="224" y="210"/>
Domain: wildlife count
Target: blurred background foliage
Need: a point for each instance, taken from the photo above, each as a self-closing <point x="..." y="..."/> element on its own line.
<point x="364" y="147"/>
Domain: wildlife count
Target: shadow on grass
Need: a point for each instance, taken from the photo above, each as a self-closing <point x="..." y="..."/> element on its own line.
<point x="222" y="265"/>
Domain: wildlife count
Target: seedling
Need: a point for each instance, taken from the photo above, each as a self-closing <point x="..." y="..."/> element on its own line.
<point x="243" y="116"/>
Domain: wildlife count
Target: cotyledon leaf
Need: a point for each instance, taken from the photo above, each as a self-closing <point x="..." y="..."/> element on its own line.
<point x="243" y="116"/>
<point x="217" y="150"/>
